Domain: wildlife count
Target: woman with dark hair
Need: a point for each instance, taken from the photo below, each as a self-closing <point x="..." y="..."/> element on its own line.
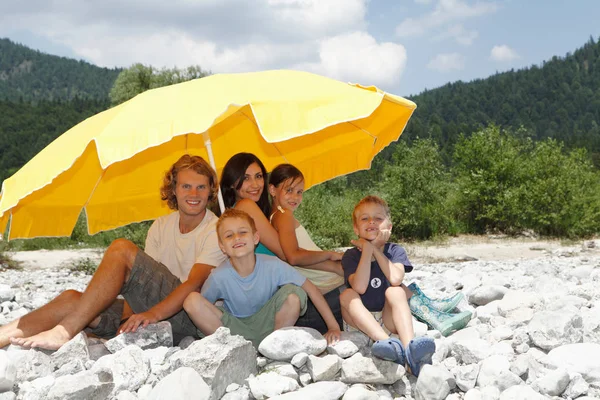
<point x="243" y="185"/>
<point x="243" y="182"/>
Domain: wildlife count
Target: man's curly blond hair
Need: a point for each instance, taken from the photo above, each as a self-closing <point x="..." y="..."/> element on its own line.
<point x="196" y="163"/>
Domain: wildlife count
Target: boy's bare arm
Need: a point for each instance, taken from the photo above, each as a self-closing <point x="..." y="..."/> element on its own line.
<point x="393" y="271"/>
<point x="359" y="280"/>
<point x="173" y="303"/>
<point x="333" y="334"/>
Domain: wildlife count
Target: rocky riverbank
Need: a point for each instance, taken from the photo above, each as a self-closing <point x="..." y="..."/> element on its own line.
<point x="535" y="333"/>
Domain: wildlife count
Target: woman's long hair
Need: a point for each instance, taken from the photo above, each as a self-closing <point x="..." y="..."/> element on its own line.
<point x="232" y="179"/>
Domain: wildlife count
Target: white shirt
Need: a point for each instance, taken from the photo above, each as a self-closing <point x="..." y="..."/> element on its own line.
<point x="180" y="251"/>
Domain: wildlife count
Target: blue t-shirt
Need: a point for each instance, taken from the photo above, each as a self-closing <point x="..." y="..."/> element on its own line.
<point x="374" y="296"/>
<point x="245" y="296"/>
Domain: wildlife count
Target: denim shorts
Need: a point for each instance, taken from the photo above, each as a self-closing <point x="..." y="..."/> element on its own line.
<point x="149" y="283"/>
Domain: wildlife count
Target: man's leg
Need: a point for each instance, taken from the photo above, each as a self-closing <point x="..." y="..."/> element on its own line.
<point x="44" y="318"/>
<point x="103" y="289"/>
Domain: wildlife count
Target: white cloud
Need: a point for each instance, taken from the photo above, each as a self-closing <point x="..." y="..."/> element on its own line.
<point x="459" y="34"/>
<point x="503" y="53"/>
<point x="445" y="12"/>
<point x="447" y="62"/>
<point x="358" y="57"/>
<point x="223" y="35"/>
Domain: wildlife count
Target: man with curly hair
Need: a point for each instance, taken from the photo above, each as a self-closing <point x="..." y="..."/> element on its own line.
<point x="181" y="250"/>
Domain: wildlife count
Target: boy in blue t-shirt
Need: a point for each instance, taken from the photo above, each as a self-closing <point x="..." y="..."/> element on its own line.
<point x="374" y="271"/>
<point x="260" y="293"/>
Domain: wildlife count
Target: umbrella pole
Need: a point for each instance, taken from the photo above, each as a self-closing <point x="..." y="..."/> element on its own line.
<point x="211" y="159"/>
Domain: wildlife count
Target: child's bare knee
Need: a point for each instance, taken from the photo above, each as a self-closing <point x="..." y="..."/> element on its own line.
<point x="395" y="293"/>
<point x="293" y="301"/>
<point x="192" y="301"/>
<point x="347" y="295"/>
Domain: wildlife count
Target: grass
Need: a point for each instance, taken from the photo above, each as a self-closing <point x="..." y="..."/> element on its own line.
<point x="6" y="262"/>
<point x="85" y="265"/>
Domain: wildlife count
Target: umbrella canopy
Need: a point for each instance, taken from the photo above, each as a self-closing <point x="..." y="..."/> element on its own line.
<point x="112" y="164"/>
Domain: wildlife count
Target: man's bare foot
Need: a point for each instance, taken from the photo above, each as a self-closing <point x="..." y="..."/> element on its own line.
<point x="50" y="340"/>
<point x="4" y="341"/>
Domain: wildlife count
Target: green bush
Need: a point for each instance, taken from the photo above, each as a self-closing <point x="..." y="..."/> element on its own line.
<point x="326" y="212"/>
<point x="416" y="186"/>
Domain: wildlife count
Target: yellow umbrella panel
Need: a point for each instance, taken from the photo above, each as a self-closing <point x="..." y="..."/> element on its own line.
<point x="112" y="164"/>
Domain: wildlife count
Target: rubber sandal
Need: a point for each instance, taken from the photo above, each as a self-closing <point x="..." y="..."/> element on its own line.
<point x="390" y="350"/>
<point x="419" y="353"/>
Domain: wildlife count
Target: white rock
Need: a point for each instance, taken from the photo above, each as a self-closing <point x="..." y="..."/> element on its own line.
<point x="8" y="396"/>
<point x="514" y="299"/>
<point x="182" y="384"/>
<point x="152" y="336"/>
<point x="466" y="376"/>
<point x="126" y="395"/>
<point x="36" y="389"/>
<point x="433" y="383"/>
<point x="319" y="390"/>
<point x="8" y="372"/>
<point x="33" y="365"/>
<point x="583" y="358"/>
<point x="84" y="385"/>
<point x="283" y="369"/>
<point x="360" y="369"/>
<point x="128" y="366"/>
<point x="305" y="379"/>
<point x="299" y="360"/>
<point x="283" y="344"/>
<point x="485" y="313"/>
<point x="70" y="368"/>
<point x="243" y="393"/>
<point x="343" y="348"/>
<point x="271" y="384"/>
<point x="553" y="383"/>
<point x="360" y="392"/>
<point x="471" y="351"/>
<point x="577" y="387"/>
<point x="486" y="294"/>
<point x="221" y="359"/>
<point x="323" y="368"/>
<point x="521" y="392"/>
<point x="6" y="293"/>
<point x="144" y="391"/>
<point x="74" y="349"/>
<point x="495" y="371"/>
<point x="550" y="329"/>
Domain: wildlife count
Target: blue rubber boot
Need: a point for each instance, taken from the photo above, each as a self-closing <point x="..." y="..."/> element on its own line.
<point x="444" y="322"/>
<point x="444" y="305"/>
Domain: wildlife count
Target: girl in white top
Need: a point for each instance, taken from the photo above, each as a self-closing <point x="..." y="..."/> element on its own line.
<point x="286" y="187"/>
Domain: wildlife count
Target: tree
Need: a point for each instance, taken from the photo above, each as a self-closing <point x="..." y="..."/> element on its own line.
<point x="138" y="78"/>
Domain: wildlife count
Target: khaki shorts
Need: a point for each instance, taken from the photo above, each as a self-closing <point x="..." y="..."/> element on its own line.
<point x="258" y="326"/>
<point x="378" y="315"/>
<point x="149" y="283"/>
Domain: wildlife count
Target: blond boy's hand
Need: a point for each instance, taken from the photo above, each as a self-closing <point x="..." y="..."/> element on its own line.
<point x="333" y="336"/>
<point x="361" y="243"/>
<point x="382" y="237"/>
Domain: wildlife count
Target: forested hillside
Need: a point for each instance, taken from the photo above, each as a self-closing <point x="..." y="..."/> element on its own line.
<point x="559" y="99"/>
<point x="30" y="75"/>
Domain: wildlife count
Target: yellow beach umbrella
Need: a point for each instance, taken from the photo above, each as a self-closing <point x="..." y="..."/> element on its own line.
<point x="112" y="164"/>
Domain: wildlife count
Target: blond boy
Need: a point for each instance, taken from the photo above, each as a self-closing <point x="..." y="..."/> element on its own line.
<point x="374" y="271"/>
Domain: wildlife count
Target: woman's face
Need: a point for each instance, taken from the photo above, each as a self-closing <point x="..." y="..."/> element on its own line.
<point x="253" y="184"/>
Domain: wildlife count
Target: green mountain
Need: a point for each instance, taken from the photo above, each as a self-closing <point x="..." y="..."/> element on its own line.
<point x="30" y="75"/>
<point x="559" y="99"/>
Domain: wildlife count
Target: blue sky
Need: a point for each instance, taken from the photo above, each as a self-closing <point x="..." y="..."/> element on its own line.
<point x="402" y="46"/>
